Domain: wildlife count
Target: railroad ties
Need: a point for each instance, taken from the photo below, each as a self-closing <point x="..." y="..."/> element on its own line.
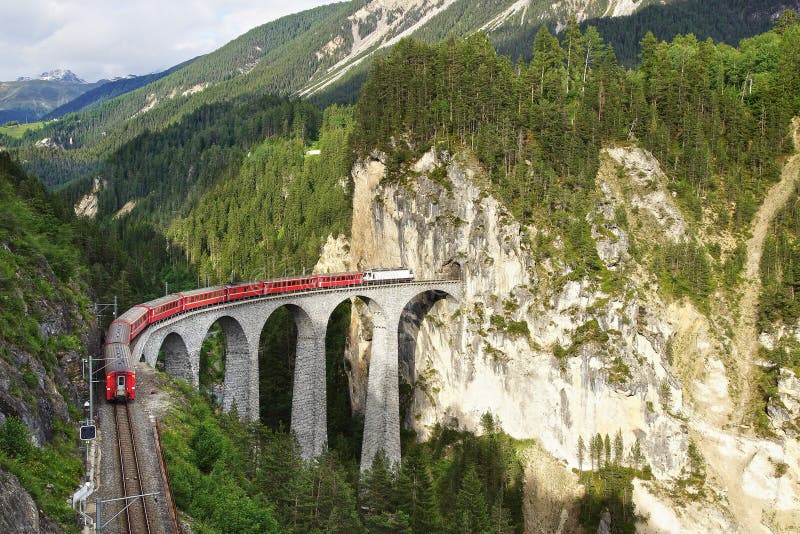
<point x="135" y="518"/>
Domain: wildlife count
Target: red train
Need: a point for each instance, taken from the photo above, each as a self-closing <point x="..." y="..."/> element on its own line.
<point x="120" y="376"/>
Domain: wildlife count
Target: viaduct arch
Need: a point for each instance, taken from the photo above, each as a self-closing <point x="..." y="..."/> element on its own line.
<point x="180" y="338"/>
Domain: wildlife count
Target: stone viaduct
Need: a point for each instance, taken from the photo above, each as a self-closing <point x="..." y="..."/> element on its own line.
<point x="180" y="339"/>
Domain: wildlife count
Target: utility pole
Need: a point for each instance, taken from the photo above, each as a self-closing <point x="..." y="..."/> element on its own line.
<point x="91" y="391"/>
<point x="101" y="307"/>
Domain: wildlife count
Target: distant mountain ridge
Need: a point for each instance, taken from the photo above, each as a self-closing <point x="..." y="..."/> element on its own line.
<point x="324" y="53"/>
<point x="56" y="75"/>
<point x="27" y="100"/>
<point x="112" y="89"/>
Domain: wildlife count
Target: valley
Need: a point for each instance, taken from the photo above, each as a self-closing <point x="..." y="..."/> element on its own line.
<point x="617" y="350"/>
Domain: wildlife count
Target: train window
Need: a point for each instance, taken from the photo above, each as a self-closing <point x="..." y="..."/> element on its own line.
<point x="121" y="380"/>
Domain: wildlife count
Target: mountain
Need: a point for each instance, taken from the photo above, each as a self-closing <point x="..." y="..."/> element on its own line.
<point x="324" y="53"/>
<point x="111" y="89"/>
<point x="628" y="240"/>
<point x="56" y="75"/>
<point x="28" y="100"/>
<point x="47" y="326"/>
<point x="61" y="75"/>
<point x="630" y="253"/>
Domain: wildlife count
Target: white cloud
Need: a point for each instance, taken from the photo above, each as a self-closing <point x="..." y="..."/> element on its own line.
<point x="105" y="38"/>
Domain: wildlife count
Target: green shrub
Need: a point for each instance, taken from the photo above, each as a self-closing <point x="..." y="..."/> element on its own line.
<point x="15" y="438"/>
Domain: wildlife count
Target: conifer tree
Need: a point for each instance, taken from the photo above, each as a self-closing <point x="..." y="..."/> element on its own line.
<point x="416" y="495"/>
<point x="471" y="513"/>
<point x="618" y="447"/>
<point x="377" y="499"/>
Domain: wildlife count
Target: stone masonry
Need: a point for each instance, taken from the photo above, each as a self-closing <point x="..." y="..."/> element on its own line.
<point x="181" y="337"/>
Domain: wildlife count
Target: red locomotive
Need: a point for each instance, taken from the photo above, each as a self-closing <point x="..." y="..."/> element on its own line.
<point x="120" y="376"/>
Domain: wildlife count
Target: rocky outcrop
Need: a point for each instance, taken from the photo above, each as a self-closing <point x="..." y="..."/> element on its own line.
<point x="556" y="357"/>
<point x="20" y="513"/>
<point x="784" y="411"/>
<point x="39" y="387"/>
<point x="496" y="351"/>
<point x="87" y="205"/>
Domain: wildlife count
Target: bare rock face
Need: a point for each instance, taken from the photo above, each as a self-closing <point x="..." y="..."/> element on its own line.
<point x="20" y="515"/>
<point x="494" y="351"/>
<point x="555" y="357"/>
<point x="784" y="411"/>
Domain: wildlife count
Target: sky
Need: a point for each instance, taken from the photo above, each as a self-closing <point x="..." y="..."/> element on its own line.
<point x="106" y="38"/>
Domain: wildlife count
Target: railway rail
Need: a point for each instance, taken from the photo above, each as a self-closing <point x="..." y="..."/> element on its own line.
<point x="135" y="518"/>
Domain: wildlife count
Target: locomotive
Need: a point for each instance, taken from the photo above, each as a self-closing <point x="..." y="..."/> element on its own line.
<point x="120" y="375"/>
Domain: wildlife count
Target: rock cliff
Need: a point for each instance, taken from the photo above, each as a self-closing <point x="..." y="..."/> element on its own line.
<point x="554" y="356"/>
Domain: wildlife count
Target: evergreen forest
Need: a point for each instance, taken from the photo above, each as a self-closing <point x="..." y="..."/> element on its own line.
<point x="233" y="189"/>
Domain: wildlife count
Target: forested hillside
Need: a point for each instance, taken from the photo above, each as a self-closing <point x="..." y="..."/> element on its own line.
<point x="715" y="117"/>
<point x="242" y="67"/>
<point x="93" y="98"/>
<point x="205" y="177"/>
<point x="46" y="327"/>
<point x="538" y="128"/>
<point x="726" y="21"/>
<point x="299" y="200"/>
<point x="315" y="53"/>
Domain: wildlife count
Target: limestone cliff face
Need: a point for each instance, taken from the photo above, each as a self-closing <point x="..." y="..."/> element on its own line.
<point x="557" y="358"/>
<point x="21" y="515"/>
<point x="494" y="351"/>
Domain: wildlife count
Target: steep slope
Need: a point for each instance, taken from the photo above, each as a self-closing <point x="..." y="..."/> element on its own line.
<point x="746" y="339"/>
<point x="46" y="328"/>
<point x="322" y="53"/>
<point x="627" y="356"/>
<point x="301" y="54"/>
<point x="602" y="281"/>
<point x="732" y="21"/>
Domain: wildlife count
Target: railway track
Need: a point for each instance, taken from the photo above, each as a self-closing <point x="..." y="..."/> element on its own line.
<point x="135" y="518"/>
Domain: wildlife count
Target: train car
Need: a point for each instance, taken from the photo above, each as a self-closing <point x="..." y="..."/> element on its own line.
<point x="163" y="308"/>
<point x="291" y="284"/>
<point x="341" y="279"/>
<point x="120" y="376"/>
<point x="206" y="296"/>
<point x="244" y="291"/>
<point x="384" y="276"/>
<point x="128" y="325"/>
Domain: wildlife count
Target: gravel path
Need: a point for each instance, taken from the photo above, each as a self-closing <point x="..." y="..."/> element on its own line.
<point x="746" y="335"/>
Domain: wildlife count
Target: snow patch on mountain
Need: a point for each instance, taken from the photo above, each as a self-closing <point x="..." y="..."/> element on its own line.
<point x="58" y="75"/>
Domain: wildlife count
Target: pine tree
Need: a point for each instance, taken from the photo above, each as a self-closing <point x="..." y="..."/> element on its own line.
<point x="636" y="454"/>
<point x="415" y="493"/>
<point x="607" y="450"/>
<point x="471" y="513"/>
<point x="377" y="499"/>
<point x="581" y="451"/>
<point x="618" y="447"/>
